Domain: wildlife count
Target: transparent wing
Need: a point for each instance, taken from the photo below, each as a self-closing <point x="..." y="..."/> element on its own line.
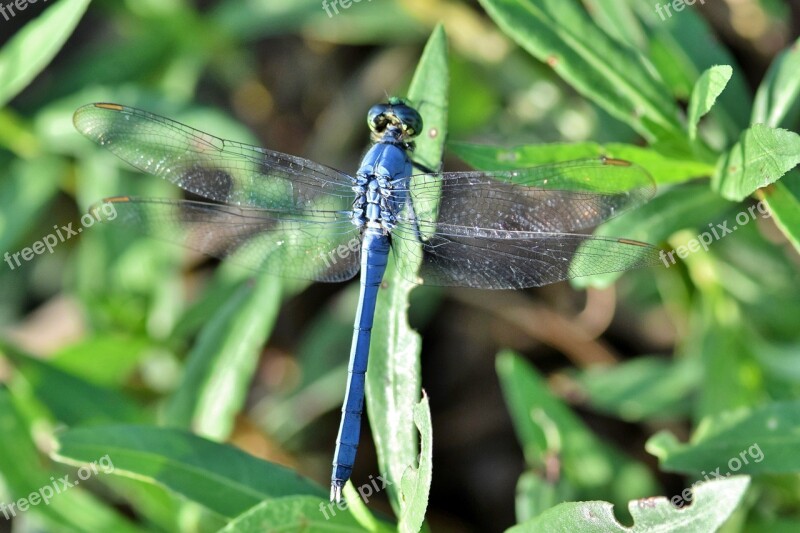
<point x="319" y="245"/>
<point x="517" y="229"/>
<point x="217" y="169"/>
<point x="561" y="197"/>
<point x="499" y="259"/>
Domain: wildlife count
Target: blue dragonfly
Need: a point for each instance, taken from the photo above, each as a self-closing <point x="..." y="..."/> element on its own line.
<point x="292" y="217"/>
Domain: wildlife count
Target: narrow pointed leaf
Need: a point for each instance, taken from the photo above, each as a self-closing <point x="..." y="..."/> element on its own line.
<point x="35" y="45"/>
<point x="26" y="472"/>
<point x="611" y="74"/>
<point x="70" y="399"/>
<point x="224" y="359"/>
<point x="224" y="479"/>
<point x="705" y="93"/>
<point x="779" y="90"/>
<point x="416" y="481"/>
<point x="393" y="385"/>
<point x="548" y="430"/>
<point x="783" y="200"/>
<point x="749" y="440"/>
<point x="664" y="169"/>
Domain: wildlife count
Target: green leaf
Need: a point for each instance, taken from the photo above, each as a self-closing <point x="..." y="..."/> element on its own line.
<point x="705" y="93"/>
<point x="730" y="371"/>
<point x="778" y="92"/>
<point x="762" y="439"/>
<point x="224" y="479"/>
<point x="382" y="23"/>
<point x="25" y="472"/>
<point x="103" y="359"/>
<point x="416" y="482"/>
<point x="321" y="367"/>
<point x="613" y="75"/>
<point x="761" y="157"/>
<point x="682" y="48"/>
<point x="222" y="363"/>
<point x="33" y="184"/>
<point x="690" y="205"/>
<point x="618" y="20"/>
<point x="783" y="200"/>
<point x="357" y="505"/>
<point x="32" y="47"/>
<point x="378" y="23"/>
<point x="70" y="399"/>
<point x="643" y="388"/>
<point x="428" y="90"/>
<point x="549" y="431"/>
<point x="393" y="386"/>
<point x="294" y="513"/>
<point x="663" y="169"/>
<point x="535" y="495"/>
<point x="712" y="504"/>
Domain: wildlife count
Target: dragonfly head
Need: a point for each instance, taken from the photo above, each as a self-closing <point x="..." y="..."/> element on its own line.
<point x="395" y="118"/>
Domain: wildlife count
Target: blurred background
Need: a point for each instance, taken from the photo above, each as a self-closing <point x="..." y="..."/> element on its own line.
<point x="123" y="311"/>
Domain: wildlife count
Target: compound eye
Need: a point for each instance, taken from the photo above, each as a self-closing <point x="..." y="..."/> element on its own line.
<point x="410" y="119"/>
<point x="377" y="119"/>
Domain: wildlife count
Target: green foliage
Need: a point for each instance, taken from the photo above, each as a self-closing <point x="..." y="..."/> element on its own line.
<point x="225" y="480"/>
<point x="749" y="441"/>
<point x="393" y="391"/>
<point x="221" y="364"/>
<point x="34" y="46"/>
<point x="293" y="513"/>
<point x="761" y="157"/>
<point x="551" y="434"/>
<point x="713" y="503"/>
<point x="705" y="93"/>
<point x="595" y="64"/>
<point x="169" y="371"/>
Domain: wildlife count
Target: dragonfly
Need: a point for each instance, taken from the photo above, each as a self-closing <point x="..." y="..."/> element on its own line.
<point x="296" y="218"/>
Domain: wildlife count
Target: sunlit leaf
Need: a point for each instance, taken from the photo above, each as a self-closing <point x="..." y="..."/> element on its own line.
<point x="754" y="440"/>
<point x="710" y="85"/>
<point x="32" y="47"/>
<point x="712" y="504"/>
<point x="549" y="431"/>
<point x="393" y="386"/>
<point x="779" y="90"/>
<point x="224" y="359"/>
<point x="614" y="76"/>
<point x="222" y="478"/>
<point x="761" y="157"/>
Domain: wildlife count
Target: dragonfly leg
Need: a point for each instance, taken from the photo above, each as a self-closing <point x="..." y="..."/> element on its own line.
<point x="427" y="169"/>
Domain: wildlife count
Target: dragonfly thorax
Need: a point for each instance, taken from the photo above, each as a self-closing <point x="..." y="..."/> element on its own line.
<point x="372" y="206"/>
<point x="378" y="184"/>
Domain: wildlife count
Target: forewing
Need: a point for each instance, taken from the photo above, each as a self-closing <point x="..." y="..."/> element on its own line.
<point x="319" y="246"/>
<point x="216" y="169"/>
<point x="561" y="197"/>
<point x="498" y="259"/>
